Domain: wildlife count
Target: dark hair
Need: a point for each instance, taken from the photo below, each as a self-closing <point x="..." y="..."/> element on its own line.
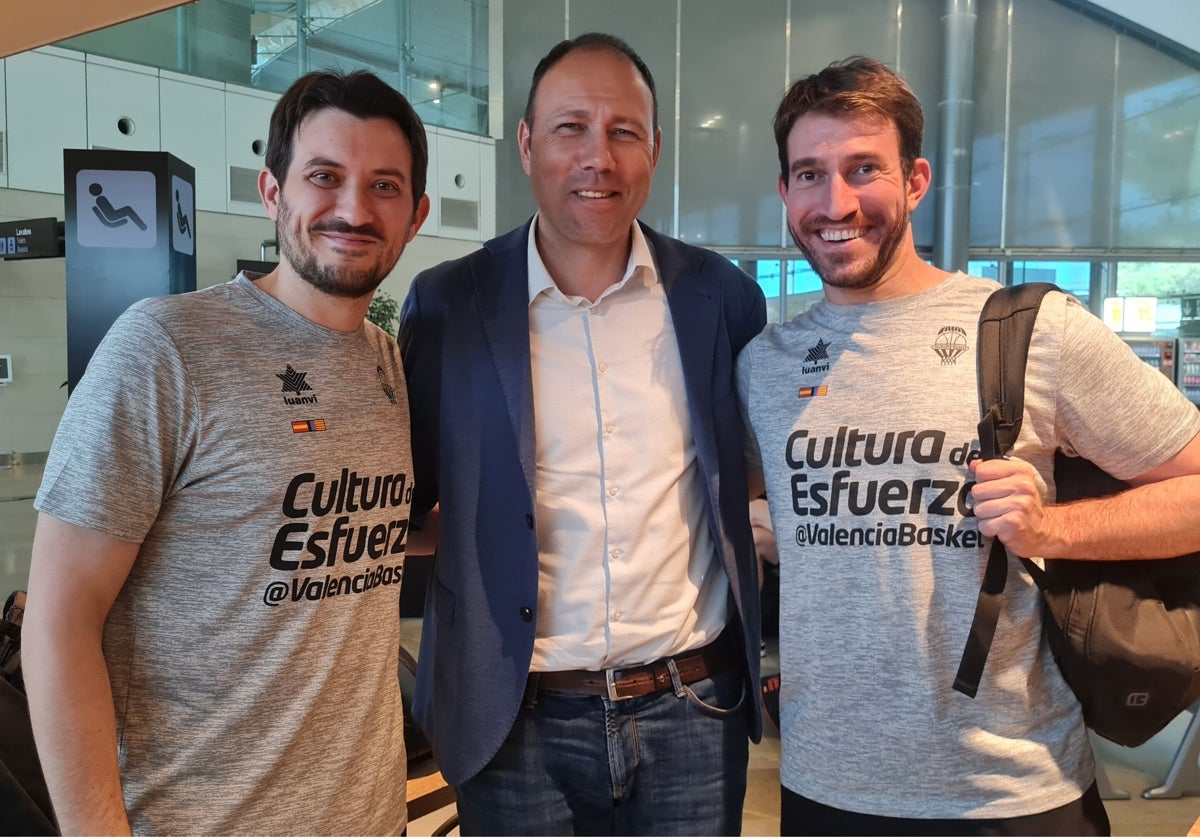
<point x="590" y="40"/>
<point x="853" y="86"/>
<point x="360" y="94"/>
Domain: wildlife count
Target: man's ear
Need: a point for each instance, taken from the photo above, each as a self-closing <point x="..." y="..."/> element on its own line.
<point x="918" y="182"/>
<point x="523" y="137"/>
<point x="268" y="191"/>
<point x="418" y="219"/>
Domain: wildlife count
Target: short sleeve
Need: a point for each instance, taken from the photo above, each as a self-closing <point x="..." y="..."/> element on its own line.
<point x="122" y="445"/>
<point x="745" y="364"/>
<point x="1112" y="407"/>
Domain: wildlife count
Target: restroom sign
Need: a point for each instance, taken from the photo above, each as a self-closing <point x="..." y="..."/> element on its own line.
<point x="115" y="208"/>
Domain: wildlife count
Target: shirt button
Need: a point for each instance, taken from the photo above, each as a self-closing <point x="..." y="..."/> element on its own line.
<point x="612" y="491"/>
<point x="603" y="367"/>
<point x="615" y="553"/>
<point x="617" y="615"/>
<point x="608" y="427"/>
<point x="526" y="614"/>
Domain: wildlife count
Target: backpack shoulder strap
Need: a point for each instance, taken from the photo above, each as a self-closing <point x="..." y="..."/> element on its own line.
<point x="1002" y="349"/>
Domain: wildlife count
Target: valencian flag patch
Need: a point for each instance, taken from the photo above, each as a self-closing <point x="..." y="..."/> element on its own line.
<point x="308" y="426"/>
<point x="818" y="391"/>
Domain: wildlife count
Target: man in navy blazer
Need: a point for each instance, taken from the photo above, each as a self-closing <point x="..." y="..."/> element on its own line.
<point x="589" y="661"/>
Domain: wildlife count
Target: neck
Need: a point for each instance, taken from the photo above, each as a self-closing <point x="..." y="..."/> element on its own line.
<point x="336" y="313"/>
<point x="581" y="270"/>
<point x="908" y="274"/>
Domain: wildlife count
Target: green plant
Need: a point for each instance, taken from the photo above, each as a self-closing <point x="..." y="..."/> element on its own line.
<point x="383" y="311"/>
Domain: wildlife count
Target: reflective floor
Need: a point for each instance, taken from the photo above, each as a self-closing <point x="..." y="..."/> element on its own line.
<point x="1129" y="770"/>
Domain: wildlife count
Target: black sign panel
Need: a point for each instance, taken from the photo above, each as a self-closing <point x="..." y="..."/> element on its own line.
<point x="31" y="238"/>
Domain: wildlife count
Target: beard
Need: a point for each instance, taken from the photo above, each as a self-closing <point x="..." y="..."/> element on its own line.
<point x="860" y="275"/>
<point x="339" y="281"/>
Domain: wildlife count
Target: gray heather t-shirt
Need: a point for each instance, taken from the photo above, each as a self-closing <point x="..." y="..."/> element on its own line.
<point x="865" y="417"/>
<point x="262" y="462"/>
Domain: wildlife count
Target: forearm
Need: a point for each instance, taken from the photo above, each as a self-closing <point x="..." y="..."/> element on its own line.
<point x="424" y="540"/>
<point x="1155" y="520"/>
<point x="74" y="577"/>
<point x="71" y="708"/>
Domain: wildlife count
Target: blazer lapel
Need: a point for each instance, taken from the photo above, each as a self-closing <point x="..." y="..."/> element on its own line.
<point x="694" y="300"/>
<point x="501" y="278"/>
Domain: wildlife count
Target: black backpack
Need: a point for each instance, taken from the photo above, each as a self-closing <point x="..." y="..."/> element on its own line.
<point x="24" y="800"/>
<point x="1125" y="634"/>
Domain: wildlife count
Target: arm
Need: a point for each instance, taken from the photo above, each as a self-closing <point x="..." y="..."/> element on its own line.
<point x="74" y="579"/>
<point x="755" y="482"/>
<point x="1158" y="517"/>
<point x="423" y="538"/>
<point x="422" y="373"/>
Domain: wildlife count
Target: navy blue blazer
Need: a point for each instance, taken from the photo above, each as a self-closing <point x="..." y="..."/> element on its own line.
<point x="464" y="338"/>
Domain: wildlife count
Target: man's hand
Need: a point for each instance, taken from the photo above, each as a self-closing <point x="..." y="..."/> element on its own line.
<point x="1009" y="507"/>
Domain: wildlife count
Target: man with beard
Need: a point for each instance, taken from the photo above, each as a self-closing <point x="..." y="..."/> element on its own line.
<point x="212" y="635"/>
<point x="863" y="416"/>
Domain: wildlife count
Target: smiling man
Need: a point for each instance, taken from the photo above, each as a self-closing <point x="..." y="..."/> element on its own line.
<point x="589" y="660"/>
<point x="211" y="639"/>
<point x="863" y="415"/>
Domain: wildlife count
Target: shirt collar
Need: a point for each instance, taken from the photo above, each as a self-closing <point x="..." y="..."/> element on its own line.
<point x="640" y="257"/>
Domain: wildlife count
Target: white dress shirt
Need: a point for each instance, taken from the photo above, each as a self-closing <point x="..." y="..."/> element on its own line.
<point x="627" y="569"/>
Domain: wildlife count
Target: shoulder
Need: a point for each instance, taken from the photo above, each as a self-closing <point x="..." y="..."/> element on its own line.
<point x="965" y="289"/>
<point x="671" y="251"/>
<point x="212" y="302"/>
<point x="502" y="250"/>
<point x="377" y="339"/>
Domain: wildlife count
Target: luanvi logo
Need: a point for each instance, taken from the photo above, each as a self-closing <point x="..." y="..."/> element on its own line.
<point x="816" y="355"/>
<point x="951" y="342"/>
<point x="294" y="382"/>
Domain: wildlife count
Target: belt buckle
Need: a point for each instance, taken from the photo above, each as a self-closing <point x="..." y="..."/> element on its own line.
<point x="610" y="681"/>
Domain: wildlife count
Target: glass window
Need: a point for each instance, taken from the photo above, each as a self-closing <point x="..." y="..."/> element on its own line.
<point x="653" y="38"/>
<point x="767" y="273"/>
<point x="803" y="286"/>
<point x="530" y="29"/>
<point x="727" y="158"/>
<point x="987" y="153"/>
<point x="1159" y="177"/>
<point x="435" y="52"/>
<point x="1075" y="278"/>
<point x="1157" y="279"/>
<point x="1060" y="136"/>
<point x="984" y="268"/>
<point x="919" y="61"/>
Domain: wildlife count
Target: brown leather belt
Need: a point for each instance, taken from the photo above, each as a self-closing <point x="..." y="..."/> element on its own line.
<point x="719" y="655"/>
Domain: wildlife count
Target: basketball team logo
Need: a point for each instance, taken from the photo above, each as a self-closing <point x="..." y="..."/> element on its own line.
<point x="951" y="342"/>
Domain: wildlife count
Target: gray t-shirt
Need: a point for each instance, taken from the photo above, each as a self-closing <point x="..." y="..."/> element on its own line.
<point x="865" y="417"/>
<point x="262" y="462"/>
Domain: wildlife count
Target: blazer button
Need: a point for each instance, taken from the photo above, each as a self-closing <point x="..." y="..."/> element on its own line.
<point x="526" y="614"/>
<point x="529" y="520"/>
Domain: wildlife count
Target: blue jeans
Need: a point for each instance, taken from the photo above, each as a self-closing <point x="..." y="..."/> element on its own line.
<point x="672" y="763"/>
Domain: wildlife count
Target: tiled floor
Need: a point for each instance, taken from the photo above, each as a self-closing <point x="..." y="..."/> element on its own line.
<point x="1132" y="770"/>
